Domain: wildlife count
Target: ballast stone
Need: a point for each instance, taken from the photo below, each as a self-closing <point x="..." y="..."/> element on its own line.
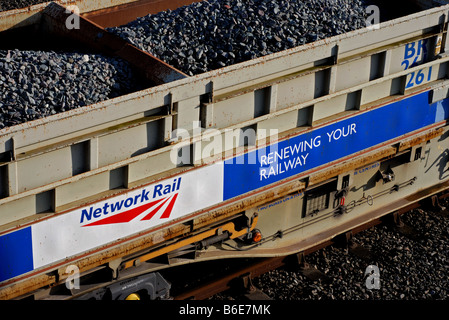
<point x="37" y="84"/>
<point x="212" y="34"/>
<point x="409" y="268"/>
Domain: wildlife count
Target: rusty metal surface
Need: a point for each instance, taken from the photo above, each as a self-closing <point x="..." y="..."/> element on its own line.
<point x="225" y="282"/>
<point x="221" y="79"/>
<point x="420" y="139"/>
<point x="222" y="211"/>
<point x="358" y="223"/>
<point x="122" y="14"/>
<point x="93" y="36"/>
<point x="187" y="88"/>
<point x="129" y="246"/>
<point x="27" y="16"/>
<point x="21" y="288"/>
<point x="107" y="13"/>
<point x="355" y="162"/>
<point x="228" y="227"/>
<point x="56" y="274"/>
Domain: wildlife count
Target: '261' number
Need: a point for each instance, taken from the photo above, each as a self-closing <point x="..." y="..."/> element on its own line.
<point x="416" y="78"/>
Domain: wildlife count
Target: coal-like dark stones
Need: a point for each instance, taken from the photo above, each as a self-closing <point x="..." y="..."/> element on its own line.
<point x="37" y="84"/>
<point x="215" y="33"/>
<point x="409" y="268"/>
<point x="197" y="38"/>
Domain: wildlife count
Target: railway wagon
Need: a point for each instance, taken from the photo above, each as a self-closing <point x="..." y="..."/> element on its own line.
<point x="267" y="157"/>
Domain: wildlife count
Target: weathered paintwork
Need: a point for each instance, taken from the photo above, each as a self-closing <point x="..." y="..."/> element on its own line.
<point x="126" y="143"/>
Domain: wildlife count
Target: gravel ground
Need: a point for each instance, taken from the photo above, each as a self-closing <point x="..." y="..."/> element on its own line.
<point x="215" y="33"/>
<point x="37" y="84"/>
<point x="410" y="268"/>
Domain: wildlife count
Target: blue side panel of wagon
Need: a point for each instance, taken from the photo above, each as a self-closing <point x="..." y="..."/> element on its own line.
<point x="16" y="254"/>
<point x="329" y="143"/>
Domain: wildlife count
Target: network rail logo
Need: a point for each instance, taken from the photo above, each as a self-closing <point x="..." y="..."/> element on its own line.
<point x="73" y="20"/>
<point x="144" y="206"/>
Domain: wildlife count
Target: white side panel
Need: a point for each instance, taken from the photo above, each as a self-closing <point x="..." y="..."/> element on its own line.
<point x="83" y="229"/>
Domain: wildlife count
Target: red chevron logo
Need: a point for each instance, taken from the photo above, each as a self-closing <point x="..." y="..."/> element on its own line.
<point x="129" y="215"/>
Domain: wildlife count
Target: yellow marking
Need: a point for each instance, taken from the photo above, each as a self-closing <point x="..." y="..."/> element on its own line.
<point x="230" y="227"/>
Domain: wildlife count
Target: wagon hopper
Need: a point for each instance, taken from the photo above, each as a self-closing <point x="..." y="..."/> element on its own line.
<point x="269" y="155"/>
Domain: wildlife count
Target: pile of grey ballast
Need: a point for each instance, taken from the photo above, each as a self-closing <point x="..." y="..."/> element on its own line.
<point x="212" y="34"/>
<point x="37" y="84"/>
<point x="413" y="268"/>
<point x="197" y="38"/>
